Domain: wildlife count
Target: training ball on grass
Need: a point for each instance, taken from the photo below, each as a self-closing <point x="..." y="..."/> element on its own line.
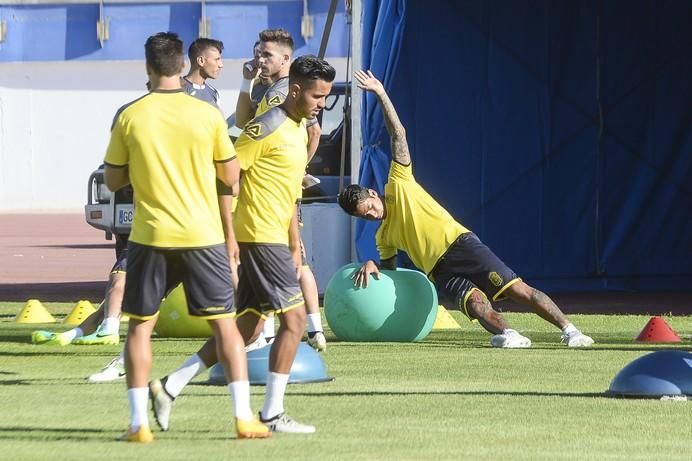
<point x="400" y="306"/>
<point x="174" y="320"/>
<point x="307" y="367"/>
<point x="660" y="373"/>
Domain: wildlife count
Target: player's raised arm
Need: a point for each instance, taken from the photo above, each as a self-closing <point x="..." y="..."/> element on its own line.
<point x="243" y="106"/>
<point x="397" y="133"/>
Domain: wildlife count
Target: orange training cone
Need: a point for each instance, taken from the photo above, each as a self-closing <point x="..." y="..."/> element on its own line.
<point x="658" y="331"/>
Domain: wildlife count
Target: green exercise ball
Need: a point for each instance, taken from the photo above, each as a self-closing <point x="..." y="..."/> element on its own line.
<point x="175" y="322"/>
<point x="400" y="306"/>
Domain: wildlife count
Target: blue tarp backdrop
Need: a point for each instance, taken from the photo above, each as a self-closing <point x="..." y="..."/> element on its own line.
<point x="559" y="132"/>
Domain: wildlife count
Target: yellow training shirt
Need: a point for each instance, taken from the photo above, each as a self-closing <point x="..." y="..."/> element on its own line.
<point x="272" y="151"/>
<point x="275" y="95"/>
<point x="414" y="221"/>
<point x="170" y="142"/>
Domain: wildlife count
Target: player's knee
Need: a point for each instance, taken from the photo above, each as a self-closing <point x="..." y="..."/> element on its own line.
<point x="476" y="304"/>
<point x="519" y="291"/>
<point x="293" y="320"/>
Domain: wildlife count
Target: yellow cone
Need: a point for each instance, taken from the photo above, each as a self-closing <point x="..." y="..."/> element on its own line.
<point x="34" y="312"/>
<point x="175" y="321"/>
<point x="444" y="320"/>
<point x="80" y="312"/>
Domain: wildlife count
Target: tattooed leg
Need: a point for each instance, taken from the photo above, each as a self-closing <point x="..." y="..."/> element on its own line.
<point x="541" y="303"/>
<point x="478" y="307"/>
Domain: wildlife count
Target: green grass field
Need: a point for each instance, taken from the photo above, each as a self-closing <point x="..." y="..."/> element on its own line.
<point x="448" y="397"/>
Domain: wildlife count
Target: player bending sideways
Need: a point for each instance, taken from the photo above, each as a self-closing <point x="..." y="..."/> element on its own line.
<point x="453" y="257"/>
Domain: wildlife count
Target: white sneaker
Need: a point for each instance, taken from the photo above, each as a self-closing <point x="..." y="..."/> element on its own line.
<point x="510" y="339"/>
<point x="577" y="339"/>
<point x="161" y="403"/>
<point x="284" y="423"/>
<point x="114" y="370"/>
<point x="259" y="343"/>
<point x="317" y="341"/>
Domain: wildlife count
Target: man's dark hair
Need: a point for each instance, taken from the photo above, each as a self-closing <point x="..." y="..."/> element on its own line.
<point x="199" y="46"/>
<point x="351" y="197"/>
<point x="280" y="36"/>
<point x="164" y="54"/>
<point x="309" y="68"/>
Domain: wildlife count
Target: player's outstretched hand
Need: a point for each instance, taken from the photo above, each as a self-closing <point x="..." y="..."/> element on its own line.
<point x="360" y="277"/>
<point x="368" y="82"/>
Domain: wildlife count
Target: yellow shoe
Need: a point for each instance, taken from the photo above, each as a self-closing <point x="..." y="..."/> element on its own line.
<point x="42" y="336"/>
<point x="141" y="435"/>
<point x="49" y="338"/>
<point x="59" y="340"/>
<point x="251" y="429"/>
<point x="96" y="339"/>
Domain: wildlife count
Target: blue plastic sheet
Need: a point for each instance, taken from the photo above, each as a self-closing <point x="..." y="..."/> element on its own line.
<point x="559" y="132"/>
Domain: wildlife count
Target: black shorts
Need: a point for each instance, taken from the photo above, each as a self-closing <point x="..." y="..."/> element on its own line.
<point x="204" y="272"/>
<point x="469" y="264"/>
<point x="267" y="279"/>
<point x="120" y="263"/>
<point x="120" y="244"/>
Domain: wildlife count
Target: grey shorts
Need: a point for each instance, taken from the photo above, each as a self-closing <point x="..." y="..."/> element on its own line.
<point x="267" y="279"/>
<point x="204" y="272"/>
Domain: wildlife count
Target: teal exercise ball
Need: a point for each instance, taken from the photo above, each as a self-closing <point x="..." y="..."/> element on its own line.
<point x="400" y="306"/>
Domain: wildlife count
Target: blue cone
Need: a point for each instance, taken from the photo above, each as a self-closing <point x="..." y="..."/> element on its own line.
<point x="308" y="367"/>
<point x="658" y="374"/>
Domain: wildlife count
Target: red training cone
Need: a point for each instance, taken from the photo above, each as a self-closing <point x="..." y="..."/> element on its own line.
<point x="658" y="331"/>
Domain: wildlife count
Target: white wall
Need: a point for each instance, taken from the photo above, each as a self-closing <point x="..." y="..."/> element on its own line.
<point x="55" y="120"/>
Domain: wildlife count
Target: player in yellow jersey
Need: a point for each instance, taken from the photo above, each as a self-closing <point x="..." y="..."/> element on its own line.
<point x="272" y="61"/>
<point x="466" y="270"/>
<point x="272" y="152"/>
<point x="176" y="233"/>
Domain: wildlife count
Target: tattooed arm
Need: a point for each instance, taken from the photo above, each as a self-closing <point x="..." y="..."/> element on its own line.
<point x="397" y="133"/>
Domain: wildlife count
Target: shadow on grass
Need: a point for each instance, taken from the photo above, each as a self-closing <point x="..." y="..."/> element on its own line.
<point x="457" y="393"/>
<point x="222" y="390"/>
<point x="598" y="347"/>
<point x="52" y="433"/>
<point x="106" y="352"/>
<point x="54" y="381"/>
<point x="15" y="339"/>
<point x="595" y="349"/>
